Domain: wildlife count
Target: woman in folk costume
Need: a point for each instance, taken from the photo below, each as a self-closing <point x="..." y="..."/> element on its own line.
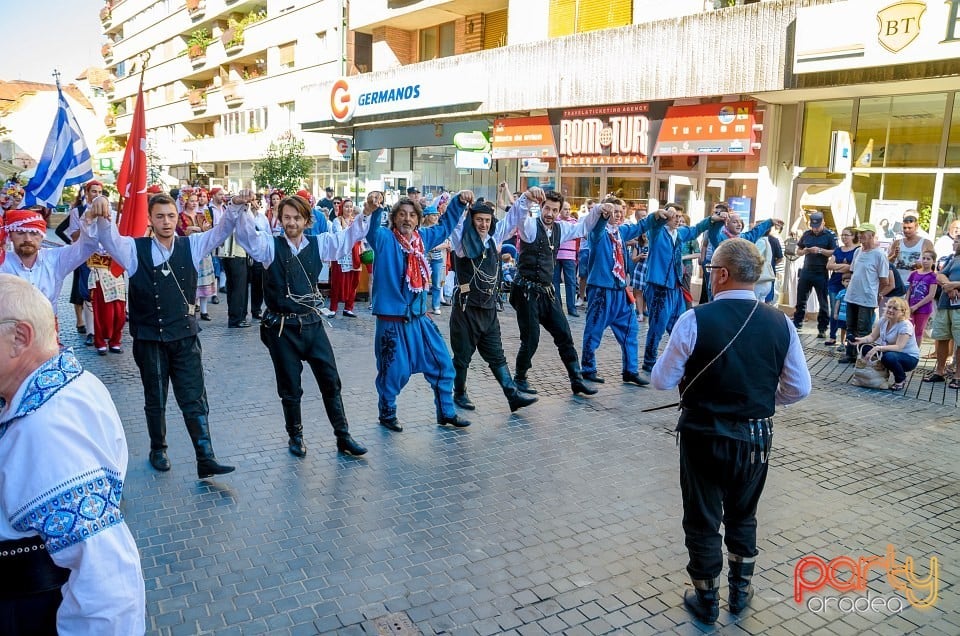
<point x="407" y="341"/>
<point x="193" y="220"/>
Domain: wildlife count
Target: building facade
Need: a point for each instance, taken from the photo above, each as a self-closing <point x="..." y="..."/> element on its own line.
<point x="221" y="80"/>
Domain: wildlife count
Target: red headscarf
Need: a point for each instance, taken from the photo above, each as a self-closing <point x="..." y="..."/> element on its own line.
<point x="24" y="221"/>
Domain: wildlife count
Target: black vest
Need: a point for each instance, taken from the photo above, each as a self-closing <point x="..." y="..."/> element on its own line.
<point x="483" y="286"/>
<point x="742" y="384"/>
<point x="158" y="306"/>
<point x="538" y="258"/>
<point x="286" y="277"/>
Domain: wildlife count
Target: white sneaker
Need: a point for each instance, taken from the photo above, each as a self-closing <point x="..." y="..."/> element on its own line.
<point x="436" y="311"/>
<point x="327" y="313"/>
<point x="580" y="302"/>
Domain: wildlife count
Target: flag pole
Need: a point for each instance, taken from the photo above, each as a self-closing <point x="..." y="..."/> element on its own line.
<point x="145" y="57"/>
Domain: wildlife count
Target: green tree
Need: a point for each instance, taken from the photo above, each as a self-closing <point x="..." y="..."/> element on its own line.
<point x="284" y="166"/>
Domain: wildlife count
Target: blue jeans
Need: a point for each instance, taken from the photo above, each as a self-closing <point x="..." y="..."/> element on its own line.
<point x="897" y="362"/>
<point x="568" y="268"/>
<point x="436" y="282"/>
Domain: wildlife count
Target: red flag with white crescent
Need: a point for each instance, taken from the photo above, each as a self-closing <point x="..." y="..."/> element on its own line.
<point x="132" y="179"/>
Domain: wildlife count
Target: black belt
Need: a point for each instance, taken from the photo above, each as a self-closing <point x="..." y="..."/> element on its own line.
<point x="531" y="285"/>
<point x="275" y="319"/>
<point x="28" y="569"/>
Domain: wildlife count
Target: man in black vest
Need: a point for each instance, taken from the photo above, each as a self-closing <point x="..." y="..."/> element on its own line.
<point x="532" y="293"/>
<point x="292" y="326"/>
<point x="474" y="325"/>
<point x="163" y="287"/>
<point x="726" y="425"/>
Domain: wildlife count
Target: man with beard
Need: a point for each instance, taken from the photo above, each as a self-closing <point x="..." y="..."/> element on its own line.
<point x="292" y="326"/>
<point x="532" y="293"/>
<point x="473" y="322"/>
<point x="45" y="269"/>
<point x="406" y="340"/>
<point x="163" y="288"/>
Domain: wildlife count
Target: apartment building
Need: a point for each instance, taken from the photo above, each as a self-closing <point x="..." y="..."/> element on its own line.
<point x="221" y="80"/>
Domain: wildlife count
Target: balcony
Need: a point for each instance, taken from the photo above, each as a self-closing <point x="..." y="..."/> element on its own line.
<point x="371" y="14"/>
<point x="196" y="9"/>
<point x="198" y="100"/>
<point x="232" y="93"/>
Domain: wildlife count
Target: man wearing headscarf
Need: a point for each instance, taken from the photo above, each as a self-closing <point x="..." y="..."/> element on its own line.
<point x="474" y="325"/>
<point x="406" y="340"/>
<point x="46" y="269"/>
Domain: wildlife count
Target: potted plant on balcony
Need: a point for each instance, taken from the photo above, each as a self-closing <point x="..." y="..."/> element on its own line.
<point x="197" y="44"/>
<point x="110" y="119"/>
<point x="198" y="98"/>
<point x="106" y="14"/>
<point x="233" y="93"/>
<point x="195" y="8"/>
<point x="108" y="87"/>
<point x="233" y="35"/>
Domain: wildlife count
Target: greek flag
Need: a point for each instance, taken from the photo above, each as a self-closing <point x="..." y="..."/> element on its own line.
<point x="65" y="160"/>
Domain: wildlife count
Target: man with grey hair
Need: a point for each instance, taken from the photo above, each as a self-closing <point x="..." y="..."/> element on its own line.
<point x="725" y="427"/>
<point x="69" y="562"/>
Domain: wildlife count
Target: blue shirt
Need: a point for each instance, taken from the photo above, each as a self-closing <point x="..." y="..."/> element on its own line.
<point x="600" y="273"/>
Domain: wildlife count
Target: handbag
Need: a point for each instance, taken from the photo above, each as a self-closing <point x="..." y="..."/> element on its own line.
<point x="869" y="372"/>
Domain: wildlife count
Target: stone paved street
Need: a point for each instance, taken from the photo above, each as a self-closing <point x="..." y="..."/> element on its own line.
<point x="563" y="518"/>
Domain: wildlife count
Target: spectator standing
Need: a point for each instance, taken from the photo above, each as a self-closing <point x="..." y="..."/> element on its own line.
<point x="191" y="221"/>
<point x="345" y="271"/>
<point x="921" y="292"/>
<point x="870" y="279"/>
<point x="326" y="203"/>
<point x="946" y="320"/>
<point x="905" y="252"/>
<point x="944" y="245"/>
<point x="437" y="258"/>
<point x="839" y="264"/>
<point x="816" y="245"/>
<point x="566" y="267"/>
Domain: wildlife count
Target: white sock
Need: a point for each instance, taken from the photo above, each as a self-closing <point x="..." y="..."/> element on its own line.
<point x="203" y="305"/>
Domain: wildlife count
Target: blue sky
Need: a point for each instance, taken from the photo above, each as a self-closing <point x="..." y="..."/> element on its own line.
<point x="47" y="34"/>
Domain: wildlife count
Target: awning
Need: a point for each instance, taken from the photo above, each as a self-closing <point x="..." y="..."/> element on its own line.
<point x="725" y="128"/>
<point x="523" y="137"/>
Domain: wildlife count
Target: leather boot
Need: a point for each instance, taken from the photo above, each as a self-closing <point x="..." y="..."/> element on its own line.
<point x="207" y="464"/>
<point x="157" y="428"/>
<point x="739" y="575"/>
<point x="515" y="398"/>
<point x="294" y="425"/>
<point x="333" y="404"/>
<point x="452" y="420"/>
<point x="388" y="419"/>
<point x="576" y="379"/>
<point x="460" y="397"/>
<point x="520" y="380"/>
<point x="704" y="600"/>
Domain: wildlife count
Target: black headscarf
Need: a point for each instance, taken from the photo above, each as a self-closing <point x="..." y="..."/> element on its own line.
<point x="472" y="244"/>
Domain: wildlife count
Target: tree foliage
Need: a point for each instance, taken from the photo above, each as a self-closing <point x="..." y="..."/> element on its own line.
<point x="284" y="166"/>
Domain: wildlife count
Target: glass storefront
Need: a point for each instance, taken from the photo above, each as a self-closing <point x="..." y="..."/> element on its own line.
<point x="899" y="155"/>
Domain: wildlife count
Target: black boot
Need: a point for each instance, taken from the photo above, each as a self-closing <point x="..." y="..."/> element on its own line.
<point x="739" y="575"/>
<point x="207" y="464"/>
<point x="520" y="380"/>
<point x="629" y="377"/>
<point x="452" y="420"/>
<point x="389" y="421"/>
<point x="704" y="601"/>
<point x="515" y="398"/>
<point x="460" y="397"/>
<point x="157" y="428"/>
<point x="576" y="379"/>
<point x="294" y="425"/>
<point x="338" y="419"/>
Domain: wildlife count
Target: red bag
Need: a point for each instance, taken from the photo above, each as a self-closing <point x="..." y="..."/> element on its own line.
<point x="356" y="256"/>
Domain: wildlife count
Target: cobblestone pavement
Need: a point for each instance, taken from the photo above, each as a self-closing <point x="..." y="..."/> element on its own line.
<point x="562" y="518"/>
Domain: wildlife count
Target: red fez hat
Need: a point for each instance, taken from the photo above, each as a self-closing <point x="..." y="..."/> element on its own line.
<point x="90" y="184"/>
<point x="154" y="189"/>
<point x="24" y="221"/>
<point x="303" y="194"/>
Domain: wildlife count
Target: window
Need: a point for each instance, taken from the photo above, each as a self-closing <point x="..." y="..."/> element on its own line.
<point x="902" y="131"/>
<point x="363" y="52"/>
<point x="495" y="29"/>
<point x="322" y="41"/>
<point x="244" y="121"/>
<point x="287" y="55"/>
<point x="953" y="145"/>
<point x="579" y="16"/>
<point x="437" y="41"/>
<point x="287" y="115"/>
<point x="819" y="120"/>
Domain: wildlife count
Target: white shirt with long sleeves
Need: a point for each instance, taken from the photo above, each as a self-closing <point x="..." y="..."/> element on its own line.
<point x="331" y="247"/>
<point x="519" y="219"/>
<point x="63" y="459"/>
<point x="671" y="366"/>
<point x="124" y="248"/>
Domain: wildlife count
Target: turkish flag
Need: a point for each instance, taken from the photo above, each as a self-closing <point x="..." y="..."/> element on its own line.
<point x="132" y="179"/>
